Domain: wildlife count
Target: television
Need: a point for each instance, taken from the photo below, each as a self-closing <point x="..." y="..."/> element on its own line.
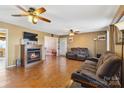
<point x="30" y="36"/>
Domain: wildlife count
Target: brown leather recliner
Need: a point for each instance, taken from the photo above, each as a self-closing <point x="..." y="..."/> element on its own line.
<point x="101" y="73"/>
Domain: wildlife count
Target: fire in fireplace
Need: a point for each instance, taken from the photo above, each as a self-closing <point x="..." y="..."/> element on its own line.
<point x="33" y="55"/>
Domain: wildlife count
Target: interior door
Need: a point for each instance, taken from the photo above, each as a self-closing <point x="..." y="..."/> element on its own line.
<point x="63" y="46"/>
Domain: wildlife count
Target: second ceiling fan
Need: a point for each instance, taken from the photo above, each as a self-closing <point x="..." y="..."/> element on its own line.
<point x="32" y="14"/>
<point x="72" y="32"/>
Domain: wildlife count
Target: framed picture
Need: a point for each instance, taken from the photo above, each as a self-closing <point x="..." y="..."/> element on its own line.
<point x="101" y="37"/>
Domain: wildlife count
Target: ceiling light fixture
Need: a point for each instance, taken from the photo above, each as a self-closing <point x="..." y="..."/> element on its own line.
<point x="71" y="34"/>
<point x="32" y="19"/>
<point x="32" y="14"/>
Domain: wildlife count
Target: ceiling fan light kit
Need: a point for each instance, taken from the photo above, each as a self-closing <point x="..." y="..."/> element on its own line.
<point x="33" y="14"/>
<point x="35" y="20"/>
<point x="32" y="19"/>
<point x="71" y="34"/>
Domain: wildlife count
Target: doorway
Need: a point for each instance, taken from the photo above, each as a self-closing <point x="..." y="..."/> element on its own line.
<point x="62" y="46"/>
<point x="3" y="48"/>
<point x="51" y="46"/>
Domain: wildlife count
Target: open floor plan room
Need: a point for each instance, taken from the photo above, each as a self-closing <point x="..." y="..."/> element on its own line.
<point x="61" y="46"/>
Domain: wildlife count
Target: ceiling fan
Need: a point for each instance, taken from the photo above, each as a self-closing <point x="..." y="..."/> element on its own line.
<point x="72" y="32"/>
<point x="32" y="14"/>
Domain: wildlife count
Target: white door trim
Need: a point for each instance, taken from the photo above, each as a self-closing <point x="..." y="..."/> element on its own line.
<point x="108" y="40"/>
<point x="6" y="50"/>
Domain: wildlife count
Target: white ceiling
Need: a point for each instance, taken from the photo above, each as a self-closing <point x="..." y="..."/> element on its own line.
<point x="85" y="18"/>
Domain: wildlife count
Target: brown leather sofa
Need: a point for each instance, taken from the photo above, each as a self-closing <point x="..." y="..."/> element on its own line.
<point x="102" y="72"/>
<point x="78" y="54"/>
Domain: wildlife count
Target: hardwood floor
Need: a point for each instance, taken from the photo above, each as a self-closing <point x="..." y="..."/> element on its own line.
<point x="54" y="72"/>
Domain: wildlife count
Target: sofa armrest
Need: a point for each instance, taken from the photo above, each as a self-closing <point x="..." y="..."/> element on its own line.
<point x="87" y="81"/>
<point x="94" y="59"/>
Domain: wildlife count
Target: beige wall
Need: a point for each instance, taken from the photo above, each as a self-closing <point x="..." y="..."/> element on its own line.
<point x="118" y="49"/>
<point x="86" y="40"/>
<point x="15" y="34"/>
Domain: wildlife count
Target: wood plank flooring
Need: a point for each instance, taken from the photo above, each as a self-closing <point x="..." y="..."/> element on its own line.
<point x="54" y="72"/>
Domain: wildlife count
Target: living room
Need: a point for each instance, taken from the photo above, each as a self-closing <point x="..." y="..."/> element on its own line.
<point x="55" y="51"/>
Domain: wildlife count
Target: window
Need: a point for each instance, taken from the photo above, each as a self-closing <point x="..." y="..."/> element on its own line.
<point x="2" y="44"/>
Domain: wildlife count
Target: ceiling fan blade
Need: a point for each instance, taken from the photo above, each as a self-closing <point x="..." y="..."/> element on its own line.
<point x="19" y="15"/>
<point x="44" y="19"/>
<point x="21" y="8"/>
<point x="40" y="10"/>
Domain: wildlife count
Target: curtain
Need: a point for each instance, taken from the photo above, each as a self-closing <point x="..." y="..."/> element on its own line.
<point x="112" y="30"/>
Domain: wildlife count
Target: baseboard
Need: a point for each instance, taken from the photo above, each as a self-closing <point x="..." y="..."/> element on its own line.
<point x="11" y="66"/>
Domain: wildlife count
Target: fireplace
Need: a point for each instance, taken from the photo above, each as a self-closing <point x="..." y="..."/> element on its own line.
<point x="30" y="54"/>
<point x="33" y="55"/>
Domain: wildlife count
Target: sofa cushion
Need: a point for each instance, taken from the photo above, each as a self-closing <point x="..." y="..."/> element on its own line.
<point x="109" y="68"/>
<point x="91" y="62"/>
<point x="81" y="56"/>
<point x="102" y="59"/>
<point x="89" y="66"/>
